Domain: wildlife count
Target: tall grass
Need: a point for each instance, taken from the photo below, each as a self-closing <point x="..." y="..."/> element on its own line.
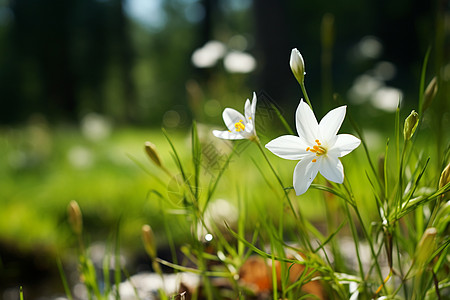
<point x="382" y="234"/>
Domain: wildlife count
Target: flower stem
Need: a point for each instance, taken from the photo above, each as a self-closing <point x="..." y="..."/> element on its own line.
<point x="355" y="239"/>
<point x="305" y="94"/>
<point x="298" y="216"/>
<point x="364" y="229"/>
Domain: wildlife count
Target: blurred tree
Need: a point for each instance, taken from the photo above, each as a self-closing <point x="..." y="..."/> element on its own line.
<point x="272" y="38"/>
<point x="41" y="41"/>
<point x="62" y="52"/>
<point x="66" y="58"/>
<point x="404" y="28"/>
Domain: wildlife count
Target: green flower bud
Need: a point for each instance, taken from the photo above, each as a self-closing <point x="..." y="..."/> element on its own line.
<point x="152" y="153"/>
<point x="445" y="178"/>
<point x="430" y="93"/>
<point x="426" y="247"/>
<point x="75" y="217"/>
<point x="149" y="241"/>
<point x="410" y="126"/>
<point x="297" y="65"/>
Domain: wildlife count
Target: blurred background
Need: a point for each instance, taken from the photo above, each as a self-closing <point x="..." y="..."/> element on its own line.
<point x="84" y="83"/>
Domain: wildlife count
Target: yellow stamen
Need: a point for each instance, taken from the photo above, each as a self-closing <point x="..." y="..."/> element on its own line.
<point x="318" y="149"/>
<point x="239" y="126"/>
<point x="314" y="160"/>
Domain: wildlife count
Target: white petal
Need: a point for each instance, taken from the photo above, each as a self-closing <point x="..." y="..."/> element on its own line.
<point x="249" y="127"/>
<point x="254" y="100"/>
<point x="304" y="173"/>
<point x="288" y="147"/>
<point x="331" y="122"/>
<point x="297" y="65"/>
<point x="306" y="122"/>
<point x="231" y="117"/>
<point x="331" y="168"/>
<point x="227" y="135"/>
<point x="345" y="143"/>
<point x="248" y="110"/>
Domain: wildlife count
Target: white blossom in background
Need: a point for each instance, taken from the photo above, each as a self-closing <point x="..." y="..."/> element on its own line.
<point x="239" y="62"/>
<point x="208" y="55"/>
<point x="239" y="126"/>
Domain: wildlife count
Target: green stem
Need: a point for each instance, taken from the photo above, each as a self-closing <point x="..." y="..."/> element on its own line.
<point x="435" y="211"/>
<point x="298" y="216"/>
<point x="355" y="238"/>
<point x="305" y="94"/>
<point x="371" y="246"/>
<point x="398" y="203"/>
<point x="366" y="151"/>
<point x="366" y="234"/>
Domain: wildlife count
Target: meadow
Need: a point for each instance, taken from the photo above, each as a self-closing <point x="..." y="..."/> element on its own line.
<point x="215" y="207"/>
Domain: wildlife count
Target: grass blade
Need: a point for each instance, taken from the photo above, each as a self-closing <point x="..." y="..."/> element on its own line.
<point x="63" y="279"/>
<point x="282" y="119"/>
<point x="196" y="156"/>
<point x="422" y="81"/>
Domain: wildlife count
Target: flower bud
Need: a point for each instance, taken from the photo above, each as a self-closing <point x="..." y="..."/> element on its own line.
<point x="430" y="93"/>
<point x="75" y="217"/>
<point x="152" y="153"/>
<point x="426" y="247"/>
<point x="410" y="126"/>
<point x="445" y="177"/>
<point x="297" y="65"/>
<point x="149" y="241"/>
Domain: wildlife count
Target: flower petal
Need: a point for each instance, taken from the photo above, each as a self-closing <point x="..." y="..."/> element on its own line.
<point x="306" y="123"/>
<point x="249" y="129"/>
<point x="248" y="111"/>
<point x="227" y="135"/>
<point x="231" y="117"/>
<point x="254" y="100"/>
<point x="345" y="143"/>
<point x="288" y="147"/>
<point x="331" y="168"/>
<point x="331" y="122"/>
<point x="304" y="173"/>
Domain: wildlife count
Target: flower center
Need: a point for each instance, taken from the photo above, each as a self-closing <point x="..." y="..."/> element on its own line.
<point x="317" y="149"/>
<point x="239" y="126"/>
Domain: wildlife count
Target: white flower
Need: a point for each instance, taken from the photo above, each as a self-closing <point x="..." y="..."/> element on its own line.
<point x="318" y="147"/>
<point x="297" y="65"/>
<point x="239" y="126"/>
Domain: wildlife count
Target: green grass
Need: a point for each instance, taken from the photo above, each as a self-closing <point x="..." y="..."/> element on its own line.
<point x="36" y="187"/>
<point x="117" y="186"/>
